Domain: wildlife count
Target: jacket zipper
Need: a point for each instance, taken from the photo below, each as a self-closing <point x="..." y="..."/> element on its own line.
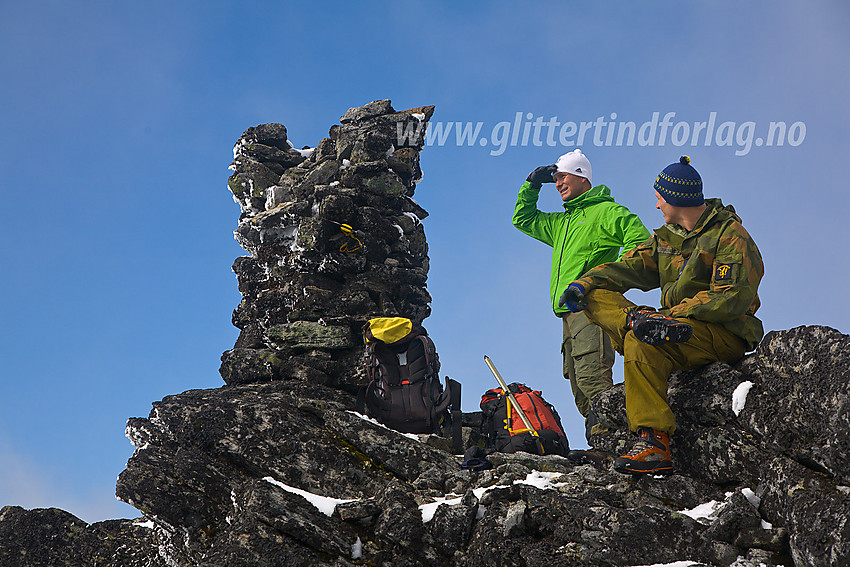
<point x="683" y="268"/>
<point x="561" y="257"/>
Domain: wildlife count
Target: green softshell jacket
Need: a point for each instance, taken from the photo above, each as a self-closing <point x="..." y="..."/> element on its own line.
<point x="710" y="273"/>
<point x="590" y="232"/>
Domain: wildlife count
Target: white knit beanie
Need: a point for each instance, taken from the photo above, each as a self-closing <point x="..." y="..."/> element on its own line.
<point x="576" y="163"/>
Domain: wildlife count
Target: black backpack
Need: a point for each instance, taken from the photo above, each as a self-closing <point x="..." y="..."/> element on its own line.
<point x="507" y="433"/>
<point x="404" y="390"/>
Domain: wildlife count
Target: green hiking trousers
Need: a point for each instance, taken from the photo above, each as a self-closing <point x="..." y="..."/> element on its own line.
<point x="588" y="358"/>
<point x="646" y="367"/>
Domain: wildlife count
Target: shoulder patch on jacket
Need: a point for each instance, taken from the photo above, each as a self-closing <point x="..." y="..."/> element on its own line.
<point x="722" y="272"/>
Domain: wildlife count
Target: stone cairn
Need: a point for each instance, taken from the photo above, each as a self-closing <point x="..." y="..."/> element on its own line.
<point x="334" y="238"/>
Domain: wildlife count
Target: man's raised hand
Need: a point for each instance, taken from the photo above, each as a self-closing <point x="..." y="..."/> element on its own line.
<point x="543" y="174"/>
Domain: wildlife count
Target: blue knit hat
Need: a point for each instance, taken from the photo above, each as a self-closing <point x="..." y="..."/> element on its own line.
<point x="680" y="184"/>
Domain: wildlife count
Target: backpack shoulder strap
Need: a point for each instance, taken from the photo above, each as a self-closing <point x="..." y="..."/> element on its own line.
<point x="453" y="386"/>
<point x="430" y="354"/>
<point x="386" y="362"/>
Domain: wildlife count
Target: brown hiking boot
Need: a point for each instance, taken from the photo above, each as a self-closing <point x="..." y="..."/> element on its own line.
<point x="655" y="328"/>
<point x="650" y="454"/>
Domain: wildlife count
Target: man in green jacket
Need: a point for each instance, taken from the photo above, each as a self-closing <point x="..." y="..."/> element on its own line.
<point x="708" y="269"/>
<point x="590" y="231"/>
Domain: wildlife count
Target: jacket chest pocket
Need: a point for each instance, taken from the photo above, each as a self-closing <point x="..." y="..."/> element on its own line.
<point x="670" y="264"/>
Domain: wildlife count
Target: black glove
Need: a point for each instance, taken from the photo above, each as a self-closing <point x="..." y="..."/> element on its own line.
<point x="542" y="174"/>
<point x="573" y="298"/>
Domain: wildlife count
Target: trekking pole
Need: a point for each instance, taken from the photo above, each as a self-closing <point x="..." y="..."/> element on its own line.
<point x="514" y="403"/>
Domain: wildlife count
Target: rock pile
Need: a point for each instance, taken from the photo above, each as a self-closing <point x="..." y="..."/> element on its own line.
<point x="334" y="238"/>
<point x="276" y="469"/>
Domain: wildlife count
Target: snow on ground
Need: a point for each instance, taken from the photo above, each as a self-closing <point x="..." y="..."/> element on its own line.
<point x="541" y="480"/>
<point x="708" y="512"/>
<point x="739" y="396"/>
<point x="674" y="564"/>
<point x="145" y="524"/>
<point x="379" y="424"/>
<point x="751" y="496"/>
<point x="705" y="513"/>
<point x="323" y="504"/>
<point x="429" y="509"/>
<point x="414" y="218"/>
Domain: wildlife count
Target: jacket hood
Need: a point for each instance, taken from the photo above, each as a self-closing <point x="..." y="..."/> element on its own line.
<point x="592" y="196"/>
<point x="715" y="211"/>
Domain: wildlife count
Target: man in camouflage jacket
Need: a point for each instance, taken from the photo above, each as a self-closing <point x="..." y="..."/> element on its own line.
<point x="708" y="269"/>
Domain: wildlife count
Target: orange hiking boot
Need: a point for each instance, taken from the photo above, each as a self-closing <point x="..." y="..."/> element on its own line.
<point x="655" y="328"/>
<point x="650" y="454"/>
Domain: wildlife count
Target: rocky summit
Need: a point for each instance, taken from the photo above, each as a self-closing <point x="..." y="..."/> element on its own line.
<point x="275" y="468"/>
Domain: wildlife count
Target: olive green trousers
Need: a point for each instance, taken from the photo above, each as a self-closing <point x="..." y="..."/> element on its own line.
<point x="588" y="358"/>
<point x="646" y="368"/>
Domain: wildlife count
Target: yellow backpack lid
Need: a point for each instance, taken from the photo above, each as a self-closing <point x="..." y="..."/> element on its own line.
<point x="387" y="329"/>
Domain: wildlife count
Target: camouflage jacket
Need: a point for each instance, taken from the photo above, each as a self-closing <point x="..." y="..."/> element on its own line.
<point x="710" y="273"/>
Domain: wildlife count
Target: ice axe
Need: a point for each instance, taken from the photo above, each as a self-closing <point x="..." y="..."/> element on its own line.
<point x="514" y="404"/>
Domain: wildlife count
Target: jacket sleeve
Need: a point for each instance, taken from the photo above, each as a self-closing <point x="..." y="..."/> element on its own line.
<point x="736" y="272"/>
<point x="625" y="229"/>
<point x="531" y="220"/>
<point x="637" y="268"/>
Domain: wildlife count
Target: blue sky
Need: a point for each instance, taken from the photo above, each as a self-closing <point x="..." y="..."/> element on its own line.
<point x="117" y="122"/>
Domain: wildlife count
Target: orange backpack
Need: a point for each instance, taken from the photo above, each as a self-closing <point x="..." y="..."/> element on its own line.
<point x="505" y="431"/>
